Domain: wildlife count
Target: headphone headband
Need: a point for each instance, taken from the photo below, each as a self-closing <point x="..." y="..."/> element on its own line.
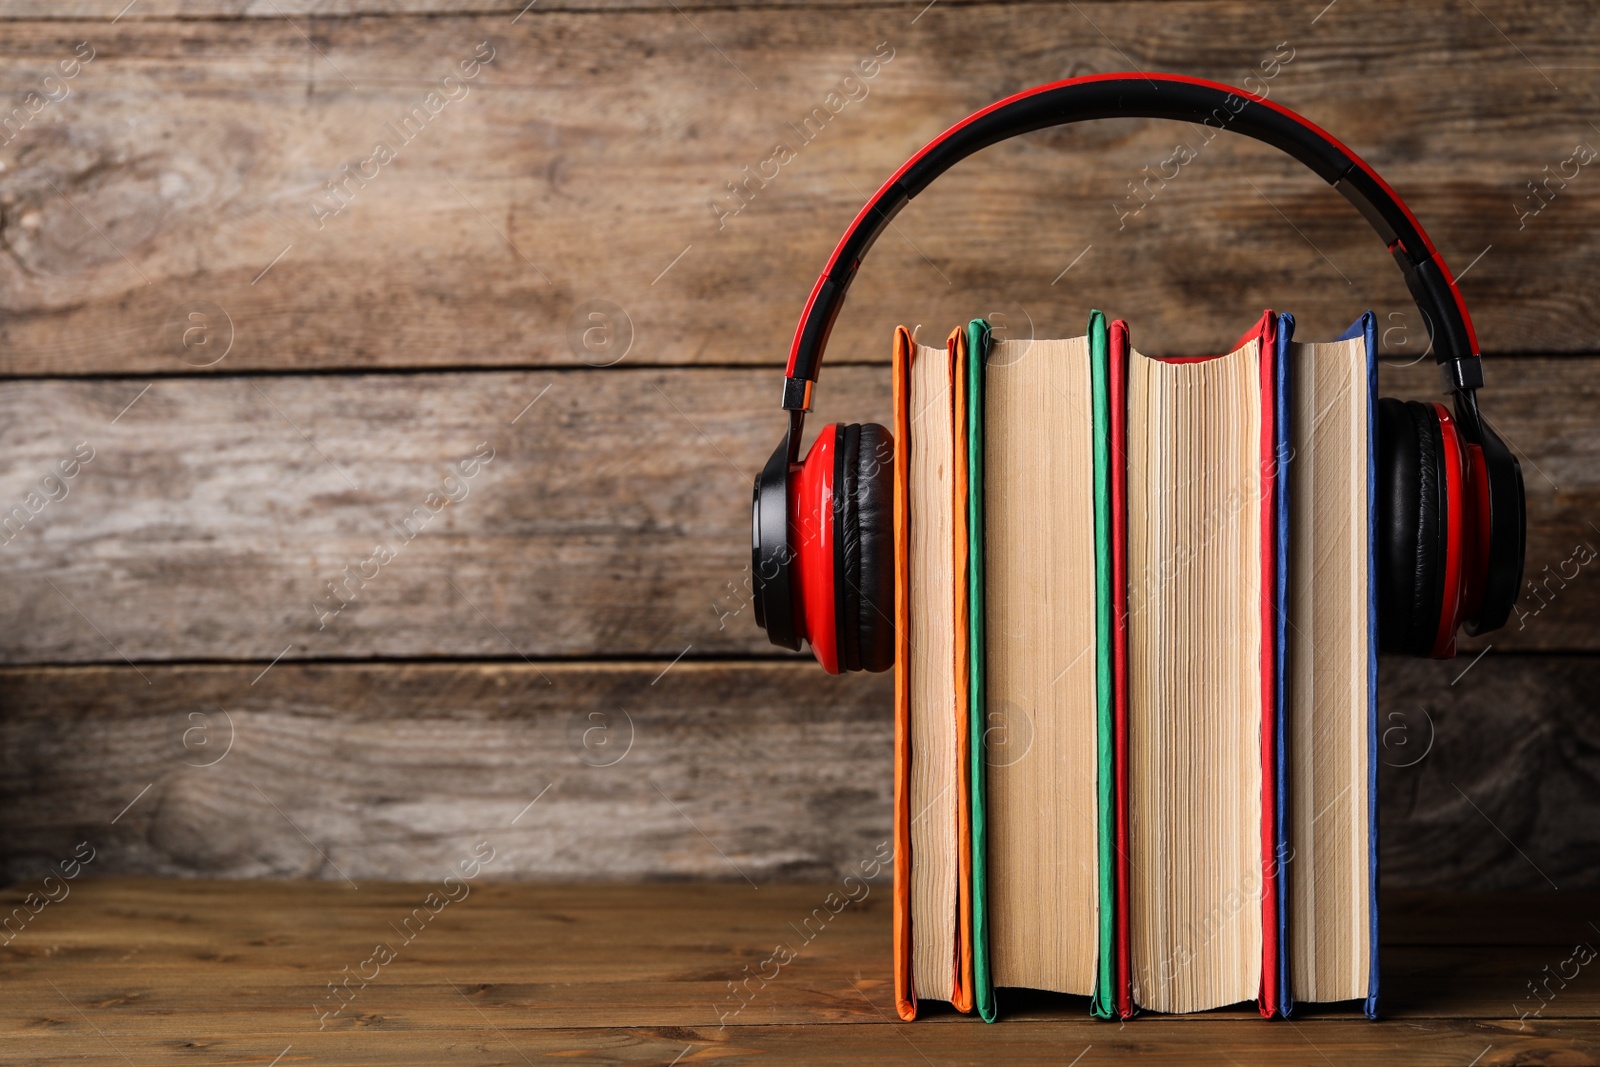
<point x="1157" y="96"/>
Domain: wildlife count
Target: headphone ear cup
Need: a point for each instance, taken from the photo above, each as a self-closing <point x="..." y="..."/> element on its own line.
<point x="771" y="555"/>
<point x="1411" y="526"/>
<point x="864" y="542"/>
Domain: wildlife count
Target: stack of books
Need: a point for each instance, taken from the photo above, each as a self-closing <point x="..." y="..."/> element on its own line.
<point x="1135" y="683"/>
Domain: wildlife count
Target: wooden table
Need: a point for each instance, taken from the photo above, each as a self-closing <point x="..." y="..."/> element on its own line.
<point x="139" y="972"/>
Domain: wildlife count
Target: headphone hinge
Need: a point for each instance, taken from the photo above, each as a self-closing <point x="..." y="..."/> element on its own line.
<point x="797" y="394"/>
<point x="1462" y="374"/>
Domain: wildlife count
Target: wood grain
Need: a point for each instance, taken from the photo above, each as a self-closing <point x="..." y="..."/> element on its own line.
<point x="1447" y="1043"/>
<point x="239" y="972"/>
<point x="722" y="770"/>
<point x="1482" y="777"/>
<point x="178" y="175"/>
<point x="761" y="770"/>
<point x="612" y="520"/>
<point x="316" y="13"/>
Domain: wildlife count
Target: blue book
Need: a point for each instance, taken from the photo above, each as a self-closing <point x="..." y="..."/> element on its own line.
<point x="1327" y="641"/>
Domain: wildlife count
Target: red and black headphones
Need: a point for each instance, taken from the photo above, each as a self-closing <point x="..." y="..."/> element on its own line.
<point x="1451" y="514"/>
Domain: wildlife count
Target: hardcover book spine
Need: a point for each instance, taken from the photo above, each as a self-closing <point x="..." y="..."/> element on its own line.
<point x="961" y="649"/>
<point x="1283" y="458"/>
<point x="1122" y="932"/>
<point x="1103" y="1004"/>
<point x="905" y="997"/>
<point x="1268" y="350"/>
<point x="977" y="359"/>
<point x="1369" y="332"/>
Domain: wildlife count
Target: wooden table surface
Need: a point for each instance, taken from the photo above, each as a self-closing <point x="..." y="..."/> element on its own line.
<point x="125" y="971"/>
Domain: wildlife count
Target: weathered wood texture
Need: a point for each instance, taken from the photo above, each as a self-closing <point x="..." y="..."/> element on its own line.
<point x="186" y="157"/>
<point x="728" y="771"/>
<point x="158" y="227"/>
<point x="1487" y="776"/>
<point x="612" y="520"/>
<point x="763" y="770"/>
<point x="138" y="971"/>
<point x="312" y="14"/>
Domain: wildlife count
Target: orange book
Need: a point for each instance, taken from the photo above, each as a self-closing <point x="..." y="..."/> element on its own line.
<point x="933" y="814"/>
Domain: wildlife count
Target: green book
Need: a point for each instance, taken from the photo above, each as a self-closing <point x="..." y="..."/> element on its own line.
<point x="1103" y="1005"/>
<point x="1096" y="428"/>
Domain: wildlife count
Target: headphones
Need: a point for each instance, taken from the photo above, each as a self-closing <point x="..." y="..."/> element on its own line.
<point x="1451" y="515"/>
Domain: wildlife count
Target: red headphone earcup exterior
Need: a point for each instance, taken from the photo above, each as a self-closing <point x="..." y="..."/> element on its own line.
<point x="1453" y="472"/>
<point x="812" y="537"/>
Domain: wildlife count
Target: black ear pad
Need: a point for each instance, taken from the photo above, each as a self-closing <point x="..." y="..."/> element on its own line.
<point x="1412" y="516"/>
<point x="864" y="547"/>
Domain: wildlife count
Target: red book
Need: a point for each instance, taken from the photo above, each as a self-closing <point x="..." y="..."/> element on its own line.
<point x="1264" y="332"/>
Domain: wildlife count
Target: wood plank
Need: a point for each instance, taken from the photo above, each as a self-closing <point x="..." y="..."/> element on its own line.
<point x="1484" y="774"/>
<point x="318" y="11"/>
<point x="613" y="519"/>
<point x="761" y="770"/>
<point x="632" y="973"/>
<point x="1423" y="983"/>
<point x="773" y="771"/>
<point x="1449" y="1043"/>
<point x="186" y="158"/>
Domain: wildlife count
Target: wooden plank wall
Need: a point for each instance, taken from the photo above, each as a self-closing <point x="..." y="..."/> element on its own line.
<point x="261" y="387"/>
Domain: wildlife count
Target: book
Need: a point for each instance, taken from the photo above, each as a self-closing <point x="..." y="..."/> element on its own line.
<point x="1039" y="574"/>
<point x="1201" y="694"/>
<point x="933" y="837"/>
<point x="1330" y="839"/>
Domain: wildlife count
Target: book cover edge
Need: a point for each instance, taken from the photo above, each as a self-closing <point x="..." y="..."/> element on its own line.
<point x="978" y="338"/>
<point x="904" y="992"/>
<point x="1118" y="359"/>
<point x="961" y="648"/>
<point x="1102" y="1003"/>
<point x="1284" y="458"/>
